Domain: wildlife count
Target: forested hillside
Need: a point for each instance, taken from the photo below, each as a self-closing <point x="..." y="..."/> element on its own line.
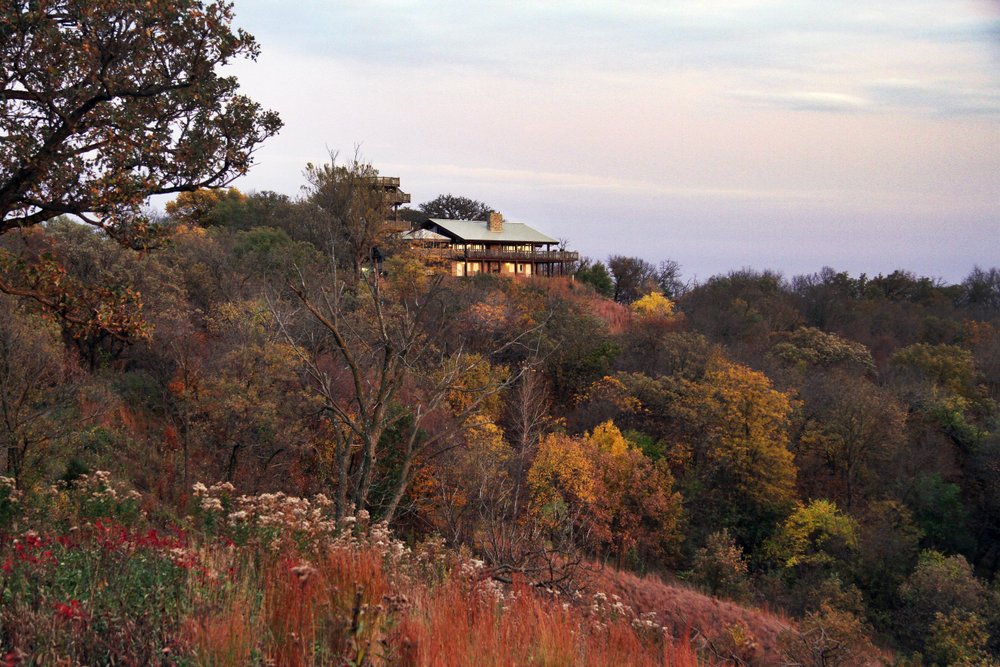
<point x="825" y="446"/>
<point x="258" y="429"/>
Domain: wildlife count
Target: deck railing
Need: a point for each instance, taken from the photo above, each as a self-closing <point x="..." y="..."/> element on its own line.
<point x="502" y="255"/>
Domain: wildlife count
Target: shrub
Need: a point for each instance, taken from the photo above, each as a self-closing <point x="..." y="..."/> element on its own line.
<point x="720" y="568"/>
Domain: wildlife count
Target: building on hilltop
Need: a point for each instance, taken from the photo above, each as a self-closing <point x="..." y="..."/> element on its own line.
<point x="469" y="247"/>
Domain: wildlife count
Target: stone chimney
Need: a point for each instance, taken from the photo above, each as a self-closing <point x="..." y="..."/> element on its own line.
<point x="495" y="222"/>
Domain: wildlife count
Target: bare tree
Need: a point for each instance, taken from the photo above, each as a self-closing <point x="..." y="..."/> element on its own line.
<point x="387" y="387"/>
<point x="525" y="417"/>
<point x="349" y="207"/>
<point x="35" y="386"/>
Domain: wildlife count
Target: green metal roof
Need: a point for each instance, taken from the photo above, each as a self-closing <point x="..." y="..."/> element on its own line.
<point x="476" y="230"/>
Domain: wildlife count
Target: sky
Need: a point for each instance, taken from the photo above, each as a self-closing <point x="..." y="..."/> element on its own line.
<point x="860" y="135"/>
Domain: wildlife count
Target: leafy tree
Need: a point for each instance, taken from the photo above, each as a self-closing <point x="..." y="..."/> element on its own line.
<point x="470" y="486"/>
<point x="606" y="492"/>
<point x="658" y="350"/>
<point x="947" y="367"/>
<point x="639" y="509"/>
<point x="721" y="568"/>
<point x="653" y="305"/>
<point x="851" y="432"/>
<point x="939" y="511"/>
<point x="959" y="638"/>
<point x="742" y="475"/>
<point x="411" y="215"/>
<point x="984" y="340"/>
<point x="740" y="310"/>
<point x="596" y="275"/>
<point x="829" y="637"/>
<point x="36" y="390"/>
<point x="889" y="542"/>
<point x="81" y="281"/>
<point x="578" y="349"/>
<point x="828" y="298"/>
<point x="562" y="479"/>
<point x="817" y="535"/>
<point x="106" y="103"/>
<point x="808" y="348"/>
<point x="939" y="584"/>
<point x="198" y="207"/>
<point x="452" y="207"/>
<point x="392" y="399"/>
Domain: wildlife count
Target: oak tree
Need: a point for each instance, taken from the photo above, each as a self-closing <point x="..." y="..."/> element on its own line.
<point x="452" y="207"/>
<point x="106" y="102"/>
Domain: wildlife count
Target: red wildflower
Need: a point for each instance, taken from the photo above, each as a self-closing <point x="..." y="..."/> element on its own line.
<point x="70" y="611"/>
<point x="15" y="657"/>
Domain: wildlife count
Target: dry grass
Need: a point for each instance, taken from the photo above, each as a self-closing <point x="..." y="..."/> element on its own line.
<point x="459" y="624"/>
<point x="709" y="620"/>
<point x="355" y="607"/>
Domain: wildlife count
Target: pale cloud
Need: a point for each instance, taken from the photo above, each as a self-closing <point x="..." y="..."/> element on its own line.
<point x="574" y="183"/>
<point x="806" y="100"/>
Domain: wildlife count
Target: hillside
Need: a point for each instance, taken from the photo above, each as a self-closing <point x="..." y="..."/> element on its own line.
<point x="775" y="441"/>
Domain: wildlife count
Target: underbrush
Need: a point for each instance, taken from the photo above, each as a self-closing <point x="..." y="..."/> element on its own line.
<point x="87" y="578"/>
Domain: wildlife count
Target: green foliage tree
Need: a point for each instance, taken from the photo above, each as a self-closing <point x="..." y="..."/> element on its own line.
<point x="809" y="348"/>
<point x="959" y="639"/>
<point x="815" y="536"/>
<point x="596" y="275"/>
<point x="888" y="544"/>
<point x="199" y="207"/>
<point x="721" y="568"/>
<point x="940" y="513"/>
<point x="740" y="309"/>
<point x="948" y="368"/>
<point x="938" y="585"/>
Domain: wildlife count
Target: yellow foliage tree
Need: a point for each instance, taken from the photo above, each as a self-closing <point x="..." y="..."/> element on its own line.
<point x="607" y="438"/>
<point x="743" y="475"/>
<point x="561" y="477"/>
<point x="477" y="375"/>
<point x="195" y="208"/>
<point x="653" y="304"/>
